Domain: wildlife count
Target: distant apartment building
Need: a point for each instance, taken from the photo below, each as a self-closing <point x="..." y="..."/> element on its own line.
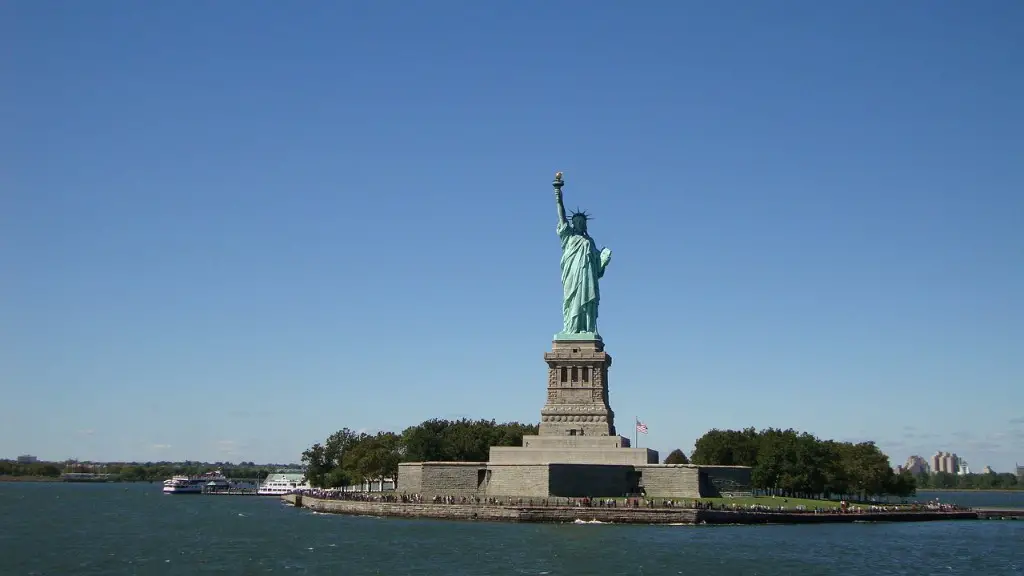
<point x="964" y="468"/>
<point x="27" y="459"/>
<point x="916" y="466"/>
<point x="1020" y="473"/>
<point x="987" y="470"/>
<point x="945" y="462"/>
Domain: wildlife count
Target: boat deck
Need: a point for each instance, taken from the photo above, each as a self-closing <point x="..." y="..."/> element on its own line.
<point x="231" y="492"/>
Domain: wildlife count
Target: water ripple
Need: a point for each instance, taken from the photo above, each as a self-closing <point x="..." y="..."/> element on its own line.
<point x="108" y="530"/>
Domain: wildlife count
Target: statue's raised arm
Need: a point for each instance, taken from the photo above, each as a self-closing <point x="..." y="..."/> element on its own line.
<point x="558" y="183"/>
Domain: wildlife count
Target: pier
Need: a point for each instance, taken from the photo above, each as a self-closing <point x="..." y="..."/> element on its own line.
<point x="1000" y="513"/>
<point x="609" y="515"/>
<point x="86" y="477"/>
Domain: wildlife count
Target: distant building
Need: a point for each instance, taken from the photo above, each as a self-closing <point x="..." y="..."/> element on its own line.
<point x="964" y="468"/>
<point x="916" y="465"/>
<point x="27" y="459"/>
<point x="1020" y="473"/>
<point x="945" y="462"/>
<point x="987" y="470"/>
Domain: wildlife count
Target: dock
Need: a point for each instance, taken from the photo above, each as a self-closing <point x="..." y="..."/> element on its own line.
<point x="86" y="477"/>
<point x="614" y="515"/>
<point x="1000" y="513"/>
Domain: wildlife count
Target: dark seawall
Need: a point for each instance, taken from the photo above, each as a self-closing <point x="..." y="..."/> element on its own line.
<point x="620" y="515"/>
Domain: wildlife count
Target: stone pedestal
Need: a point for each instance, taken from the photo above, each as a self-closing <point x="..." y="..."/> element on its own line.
<point x="599" y="450"/>
<point x="577" y="425"/>
<point x="577" y="400"/>
<point x="577" y="452"/>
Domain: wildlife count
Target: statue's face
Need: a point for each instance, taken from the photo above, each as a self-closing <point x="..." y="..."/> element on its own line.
<point x="579" y="223"/>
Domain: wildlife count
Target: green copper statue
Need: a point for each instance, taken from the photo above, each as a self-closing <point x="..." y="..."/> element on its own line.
<point x="582" y="268"/>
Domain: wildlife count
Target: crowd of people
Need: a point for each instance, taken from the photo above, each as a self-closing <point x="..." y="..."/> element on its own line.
<point x="841" y="507"/>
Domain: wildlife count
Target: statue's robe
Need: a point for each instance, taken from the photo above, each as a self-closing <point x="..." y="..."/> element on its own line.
<point x="581" y="270"/>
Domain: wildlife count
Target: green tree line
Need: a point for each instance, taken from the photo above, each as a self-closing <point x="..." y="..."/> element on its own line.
<point x="990" y="481"/>
<point x="791" y="463"/>
<point x="134" y="471"/>
<point x="34" y="469"/>
<point x="348" y="458"/>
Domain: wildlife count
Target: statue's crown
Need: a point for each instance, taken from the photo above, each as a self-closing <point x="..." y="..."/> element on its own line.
<point x="581" y="213"/>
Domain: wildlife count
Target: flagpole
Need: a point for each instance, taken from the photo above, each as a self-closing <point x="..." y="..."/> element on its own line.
<point x="636" y="430"/>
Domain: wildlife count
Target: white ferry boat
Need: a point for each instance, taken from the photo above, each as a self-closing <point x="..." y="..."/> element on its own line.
<point x="283" y="482"/>
<point x="194" y="484"/>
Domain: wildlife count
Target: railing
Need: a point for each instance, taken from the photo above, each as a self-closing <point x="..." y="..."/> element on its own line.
<point x="684" y="504"/>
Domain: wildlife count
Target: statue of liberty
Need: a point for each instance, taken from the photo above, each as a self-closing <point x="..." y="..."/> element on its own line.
<point x="582" y="268"/>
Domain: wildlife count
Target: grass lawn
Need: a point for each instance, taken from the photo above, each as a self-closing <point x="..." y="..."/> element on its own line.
<point x="787" y="503"/>
<point x="774" y="503"/>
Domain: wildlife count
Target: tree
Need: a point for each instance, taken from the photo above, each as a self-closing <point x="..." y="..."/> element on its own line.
<point x="347" y="458"/>
<point x="375" y="457"/>
<point x="903" y="485"/>
<point x="317" y="465"/>
<point x="867" y="468"/>
<point x="676" y="457"/>
<point x="726" y="448"/>
<point x="325" y="464"/>
<point x="790" y="463"/>
<point x="424" y="443"/>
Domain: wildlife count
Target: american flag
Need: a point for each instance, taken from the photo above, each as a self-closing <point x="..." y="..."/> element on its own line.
<point x="641" y="427"/>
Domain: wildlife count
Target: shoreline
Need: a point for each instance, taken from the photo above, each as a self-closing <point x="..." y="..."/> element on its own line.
<point x="1002" y="490"/>
<point x="34" y="479"/>
<point x="612" y="515"/>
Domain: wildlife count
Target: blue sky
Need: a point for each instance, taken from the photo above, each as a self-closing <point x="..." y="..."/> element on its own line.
<point x="229" y="229"/>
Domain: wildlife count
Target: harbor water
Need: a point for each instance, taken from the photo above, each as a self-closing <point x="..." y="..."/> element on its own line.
<point x="120" y="529"/>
